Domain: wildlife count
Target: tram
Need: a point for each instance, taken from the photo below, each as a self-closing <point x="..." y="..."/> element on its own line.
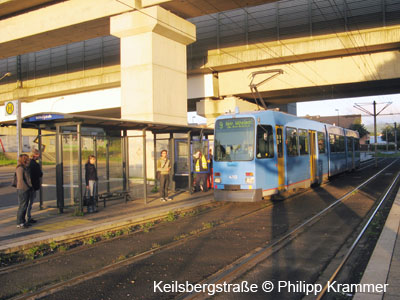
<point x="262" y="153"/>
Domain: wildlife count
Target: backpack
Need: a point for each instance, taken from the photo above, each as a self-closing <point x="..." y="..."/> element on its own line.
<point x="14" y="181"/>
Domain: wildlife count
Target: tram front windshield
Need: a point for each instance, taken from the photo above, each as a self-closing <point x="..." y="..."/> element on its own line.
<point x="234" y="139"/>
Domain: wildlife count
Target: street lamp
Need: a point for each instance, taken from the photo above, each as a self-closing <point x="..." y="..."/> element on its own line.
<point x="5" y="75"/>
<point x="338" y="124"/>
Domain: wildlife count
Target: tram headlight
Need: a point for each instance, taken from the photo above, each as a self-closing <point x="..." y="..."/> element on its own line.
<point x="217" y="180"/>
<point x="249" y="180"/>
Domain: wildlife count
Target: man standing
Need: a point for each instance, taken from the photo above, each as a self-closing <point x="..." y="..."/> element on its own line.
<point x="210" y="178"/>
<point x="201" y="171"/>
<point x="164" y="167"/>
<point x="36" y="178"/>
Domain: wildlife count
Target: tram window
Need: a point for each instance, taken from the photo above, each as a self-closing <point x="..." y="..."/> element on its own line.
<point x="357" y="144"/>
<point x="303" y="141"/>
<point x="234" y="139"/>
<point x="291" y="141"/>
<point x="321" y="142"/>
<point x="337" y="144"/>
<point x="332" y="143"/>
<point x="349" y="144"/>
<point x="342" y="147"/>
<point x="265" y="141"/>
<point x="279" y="142"/>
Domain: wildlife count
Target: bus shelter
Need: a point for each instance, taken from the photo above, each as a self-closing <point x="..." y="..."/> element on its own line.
<point x="66" y="140"/>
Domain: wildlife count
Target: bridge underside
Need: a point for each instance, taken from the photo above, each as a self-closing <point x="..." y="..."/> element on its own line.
<point x="350" y="90"/>
<point x="316" y="64"/>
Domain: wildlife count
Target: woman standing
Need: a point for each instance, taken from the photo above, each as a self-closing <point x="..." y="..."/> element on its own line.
<point x="24" y="187"/>
<point x="91" y="182"/>
<point x="164" y="166"/>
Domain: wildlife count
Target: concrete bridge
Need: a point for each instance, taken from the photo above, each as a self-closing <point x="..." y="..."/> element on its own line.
<point x="326" y="49"/>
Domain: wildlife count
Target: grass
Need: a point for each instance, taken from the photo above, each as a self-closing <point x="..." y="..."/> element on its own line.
<point x="171" y="217"/>
<point x="386" y="155"/>
<point x="4" y="161"/>
<point x="147" y="226"/>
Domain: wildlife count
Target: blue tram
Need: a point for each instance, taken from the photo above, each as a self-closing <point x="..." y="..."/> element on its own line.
<point x="263" y="153"/>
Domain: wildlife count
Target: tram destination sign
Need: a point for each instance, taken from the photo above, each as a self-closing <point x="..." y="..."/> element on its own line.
<point x="235" y="123"/>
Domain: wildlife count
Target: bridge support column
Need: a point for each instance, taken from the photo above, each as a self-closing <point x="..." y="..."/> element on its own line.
<point x="153" y="64"/>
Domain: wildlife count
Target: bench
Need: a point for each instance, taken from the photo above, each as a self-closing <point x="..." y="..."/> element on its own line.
<point x="113" y="196"/>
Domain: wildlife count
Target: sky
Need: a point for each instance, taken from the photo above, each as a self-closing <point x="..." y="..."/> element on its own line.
<point x="346" y="107"/>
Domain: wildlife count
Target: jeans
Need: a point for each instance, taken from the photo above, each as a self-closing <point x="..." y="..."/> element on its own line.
<point x="201" y="179"/>
<point x="23" y="199"/>
<point x="164" y="183"/>
<point x="32" y="197"/>
<point x="92" y="191"/>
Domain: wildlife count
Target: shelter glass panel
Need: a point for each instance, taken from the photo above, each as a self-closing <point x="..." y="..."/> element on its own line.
<point x="70" y="168"/>
<point x="49" y="167"/>
<point x="181" y="161"/>
<point x="115" y="161"/>
<point x="101" y="156"/>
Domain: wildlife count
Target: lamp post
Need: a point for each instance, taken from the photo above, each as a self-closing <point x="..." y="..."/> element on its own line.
<point x="338" y="124"/>
<point x="5" y="75"/>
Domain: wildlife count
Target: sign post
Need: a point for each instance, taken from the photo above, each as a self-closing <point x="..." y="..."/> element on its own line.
<point x="13" y="108"/>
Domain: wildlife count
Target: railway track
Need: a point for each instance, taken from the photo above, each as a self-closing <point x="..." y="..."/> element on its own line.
<point x="237" y="271"/>
<point x="142" y="256"/>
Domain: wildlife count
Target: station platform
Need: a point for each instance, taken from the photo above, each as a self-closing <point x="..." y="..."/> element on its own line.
<point x="384" y="264"/>
<point x="53" y="226"/>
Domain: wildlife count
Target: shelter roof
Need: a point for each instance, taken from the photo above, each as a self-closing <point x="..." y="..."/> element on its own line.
<point x="50" y="120"/>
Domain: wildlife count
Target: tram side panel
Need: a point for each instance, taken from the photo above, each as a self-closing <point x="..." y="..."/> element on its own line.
<point x="322" y="156"/>
<point x="266" y="162"/>
<point x="337" y="150"/>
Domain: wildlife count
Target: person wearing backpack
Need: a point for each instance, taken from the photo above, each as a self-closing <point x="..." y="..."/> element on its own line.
<point x="164" y="166"/>
<point x="24" y="186"/>
<point x="36" y="175"/>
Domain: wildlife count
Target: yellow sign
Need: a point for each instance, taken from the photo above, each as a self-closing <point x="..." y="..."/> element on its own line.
<point x="10" y="108"/>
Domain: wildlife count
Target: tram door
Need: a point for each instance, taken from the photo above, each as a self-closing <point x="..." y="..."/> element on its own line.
<point x="313" y="156"/>
<point x="281" y="158"/>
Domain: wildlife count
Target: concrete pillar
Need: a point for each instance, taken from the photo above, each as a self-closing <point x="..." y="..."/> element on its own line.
<point x="153" y="64"/>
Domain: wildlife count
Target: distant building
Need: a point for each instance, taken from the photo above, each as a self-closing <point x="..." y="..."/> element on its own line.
<point x="344" y="121"/>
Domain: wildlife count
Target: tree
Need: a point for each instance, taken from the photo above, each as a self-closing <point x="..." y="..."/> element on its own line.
<point x="360" y="128"/>
<point x="390" y="134"/>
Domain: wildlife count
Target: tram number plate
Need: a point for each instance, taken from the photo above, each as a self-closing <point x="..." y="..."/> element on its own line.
<point x="232" y="187"/>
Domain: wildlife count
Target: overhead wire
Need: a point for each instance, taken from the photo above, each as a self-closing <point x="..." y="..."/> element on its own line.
<point x="139" y="10"/>
<point x="276" y="54"/>
<point x="285" y="61"/>
<point x="279" y="58"/>
<point x="340" y="39"/>
<point x="285" y="45"/>
<point x="354" y="41"/>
